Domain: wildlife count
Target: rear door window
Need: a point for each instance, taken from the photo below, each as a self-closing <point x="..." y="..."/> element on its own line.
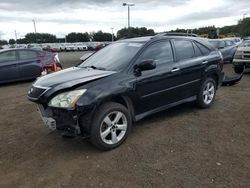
<point x="26" y="54"/>
<point x="184" y="49"/>
<point x="8" y="56"/>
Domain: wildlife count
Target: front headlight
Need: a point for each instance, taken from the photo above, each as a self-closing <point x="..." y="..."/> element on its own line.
<point x="66" y="99"/>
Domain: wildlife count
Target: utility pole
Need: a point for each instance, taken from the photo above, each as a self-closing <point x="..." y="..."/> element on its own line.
<point x="112" y="29"/>
<point x="244" y="15"/>
<point x="16" y="36"/>
<point x="34" y="23"/>
<point x="128" y="5"/>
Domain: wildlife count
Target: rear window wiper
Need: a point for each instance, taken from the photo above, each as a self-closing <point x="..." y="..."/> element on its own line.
<point x="94" y="67"/>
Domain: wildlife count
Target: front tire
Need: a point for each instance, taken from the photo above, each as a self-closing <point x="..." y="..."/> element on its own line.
<point x="111" y="126"/>
<point x="206" y="95"/>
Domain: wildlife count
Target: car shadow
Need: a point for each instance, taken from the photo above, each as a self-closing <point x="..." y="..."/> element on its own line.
<point x="185" y="108"/>
<point x="81" y="146"/>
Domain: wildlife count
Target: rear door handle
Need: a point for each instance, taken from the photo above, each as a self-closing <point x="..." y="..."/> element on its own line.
<point x="175" y="69"/>
<point x="204" y="62"/>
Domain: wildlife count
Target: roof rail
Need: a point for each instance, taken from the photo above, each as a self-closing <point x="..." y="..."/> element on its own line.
<point x="176" y="34"/>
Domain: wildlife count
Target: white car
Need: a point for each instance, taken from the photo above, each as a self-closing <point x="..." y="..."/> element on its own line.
<point x="80" y="47"/>
<point x="69" y="47"/>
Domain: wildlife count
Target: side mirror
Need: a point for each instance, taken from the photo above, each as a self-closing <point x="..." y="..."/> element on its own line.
<point x="146" y="65"/>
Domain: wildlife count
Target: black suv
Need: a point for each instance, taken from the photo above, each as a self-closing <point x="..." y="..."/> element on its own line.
<point x="125" y="82"/>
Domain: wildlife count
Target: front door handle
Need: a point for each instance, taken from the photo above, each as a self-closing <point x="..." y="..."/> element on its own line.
<point x="204" y="62"/>
<point x="175" y="69"/>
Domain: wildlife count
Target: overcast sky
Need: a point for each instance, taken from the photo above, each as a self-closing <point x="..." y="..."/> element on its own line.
<point x="60" y="17"/>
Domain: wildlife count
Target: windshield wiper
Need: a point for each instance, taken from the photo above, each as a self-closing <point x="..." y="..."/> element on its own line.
<point x="94" y="67"/>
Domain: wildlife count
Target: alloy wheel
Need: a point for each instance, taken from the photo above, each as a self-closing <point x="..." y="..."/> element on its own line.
<point x="208" y="93"/>
<point x="114" y="127"/>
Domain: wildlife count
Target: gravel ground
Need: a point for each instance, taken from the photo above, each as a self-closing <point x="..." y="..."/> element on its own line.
<point x="180" y="147"/>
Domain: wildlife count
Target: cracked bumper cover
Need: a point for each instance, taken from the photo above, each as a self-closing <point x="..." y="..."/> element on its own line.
<point x="75" y="121"/>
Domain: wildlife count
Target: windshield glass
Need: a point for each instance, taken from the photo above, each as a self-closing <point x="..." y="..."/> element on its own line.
<point x="246" y="43"/>
<point x="114" y="57"/>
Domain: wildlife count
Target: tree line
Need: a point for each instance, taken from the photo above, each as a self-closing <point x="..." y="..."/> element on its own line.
<point x="241" y="29"/>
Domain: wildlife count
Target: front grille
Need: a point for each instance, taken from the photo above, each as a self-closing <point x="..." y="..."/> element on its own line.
<point x="247" y="56"/>
<point x="36" y="92"/>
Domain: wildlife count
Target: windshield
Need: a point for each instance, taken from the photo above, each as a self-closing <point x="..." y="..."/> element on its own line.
<point x="114" y="57"/>
<point x="246" y="43"/>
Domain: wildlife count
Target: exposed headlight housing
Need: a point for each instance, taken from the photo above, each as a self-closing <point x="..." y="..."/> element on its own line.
<point x="66" y="99"/>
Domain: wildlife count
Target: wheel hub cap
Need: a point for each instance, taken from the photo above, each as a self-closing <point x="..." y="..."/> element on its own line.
<point x="208" y="93"/>
<point x="113" y="127"/>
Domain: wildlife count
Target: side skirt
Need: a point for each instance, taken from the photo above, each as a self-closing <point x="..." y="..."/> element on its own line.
<point x="145" y="114"/>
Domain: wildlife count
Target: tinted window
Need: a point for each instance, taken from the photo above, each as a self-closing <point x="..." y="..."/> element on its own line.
<point x="26" y="54"/>
<point x="8" y="56"/>
<point x="228" y="43"/>
<point x="113" y="57"/>
<point x="160" y="52"/>
<point x="184" y="49"/>
<point x="203" y="49"/>
<point x="197" y="50"/>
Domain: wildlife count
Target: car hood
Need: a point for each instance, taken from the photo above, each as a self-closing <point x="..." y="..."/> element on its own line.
<point x="70" y="77"/>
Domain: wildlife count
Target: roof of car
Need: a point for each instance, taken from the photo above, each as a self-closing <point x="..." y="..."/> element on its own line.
<point x="148" y="38"/>
<point x="220" y="39"/>
<point x="138" y="39"/>
<point x="13" y="49"/>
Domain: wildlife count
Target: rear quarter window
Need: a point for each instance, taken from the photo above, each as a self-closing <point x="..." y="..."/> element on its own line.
<point x="204" y="50"/>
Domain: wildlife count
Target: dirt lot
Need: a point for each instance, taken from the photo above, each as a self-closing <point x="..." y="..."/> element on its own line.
<point x="181" y="147"/>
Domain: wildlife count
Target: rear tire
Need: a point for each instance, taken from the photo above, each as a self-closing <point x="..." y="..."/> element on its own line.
<point x="239" y="69"/>
<point x="111" y="126"/>
<point x="206" y="95"/>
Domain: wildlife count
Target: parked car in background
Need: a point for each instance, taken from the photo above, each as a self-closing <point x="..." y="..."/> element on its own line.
<point x="125" y="82"/>
<point x="91" y="46"/>
<point x="62" y="47"/>
<point x="35" y="46"/>
<point x="25" y="64"/>
<point x="242" y="57"/>
<point x="226" y="47"/>
<point x="80" y="47"/>
<point x="52" y="48"/>
<point x="99" y="46"/>
<point x="237" y="40"/>
<point x="69" y="47"/>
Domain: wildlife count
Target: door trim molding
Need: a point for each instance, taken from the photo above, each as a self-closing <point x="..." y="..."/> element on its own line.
<point x="168" y="89"/>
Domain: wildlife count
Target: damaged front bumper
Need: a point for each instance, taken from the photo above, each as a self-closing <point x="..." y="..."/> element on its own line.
<point x="72" y="122"/>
